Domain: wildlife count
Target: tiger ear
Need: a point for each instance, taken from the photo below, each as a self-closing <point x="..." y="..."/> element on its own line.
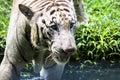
<point x="26" y="11"/>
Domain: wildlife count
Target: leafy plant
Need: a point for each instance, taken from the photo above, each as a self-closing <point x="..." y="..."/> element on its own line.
<point x="4" y="21"/>
<point x="101" y="39"/>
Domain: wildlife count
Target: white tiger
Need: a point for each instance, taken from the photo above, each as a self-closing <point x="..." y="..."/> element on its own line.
<point x="42" y="31"/>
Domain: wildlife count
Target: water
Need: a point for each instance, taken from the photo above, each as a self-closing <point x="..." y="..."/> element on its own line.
<point x="81" y="71"/>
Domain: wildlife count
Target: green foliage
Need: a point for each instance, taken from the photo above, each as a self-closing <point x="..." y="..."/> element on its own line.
<point x="100" y="40"/>
<point x="4" y="21"/>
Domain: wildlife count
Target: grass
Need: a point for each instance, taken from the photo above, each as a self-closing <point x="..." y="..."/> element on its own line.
<point x="5" y="7"/>
<point x="101" y="39"/>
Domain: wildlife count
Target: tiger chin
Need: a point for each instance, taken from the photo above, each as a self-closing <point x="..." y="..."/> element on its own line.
<point x="42" y="32"/>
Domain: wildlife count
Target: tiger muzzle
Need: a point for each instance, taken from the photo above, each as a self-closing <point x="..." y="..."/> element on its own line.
<point x="63" y="47"/>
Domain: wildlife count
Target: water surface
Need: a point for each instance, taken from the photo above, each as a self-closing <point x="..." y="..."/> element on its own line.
<point x="83" y="71"/>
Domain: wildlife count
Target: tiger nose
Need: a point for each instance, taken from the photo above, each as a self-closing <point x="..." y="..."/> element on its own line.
<point x="70" y="50"/>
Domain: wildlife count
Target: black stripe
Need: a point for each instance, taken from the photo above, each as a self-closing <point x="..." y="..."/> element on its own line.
<point x="45" y="4"/>
<point x="38" y="39"/>
<point x="33" y="2"/>
<point x="27" y="33"/>
<point x="44" y="37"/>
<point x="19" y="47"/>
<point x="52" y="12"/>
<point x="14" y="67"/>
<point x="66" y="10"/>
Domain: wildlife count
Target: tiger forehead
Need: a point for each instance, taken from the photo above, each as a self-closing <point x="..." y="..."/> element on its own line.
<point x="61" y="19"/>
<point x="55" y="11"/>
<point x="39" y="5"/>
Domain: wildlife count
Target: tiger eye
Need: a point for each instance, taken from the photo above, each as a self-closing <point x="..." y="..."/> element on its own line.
<point x="72" y="25"/>
<point x="54" y="27"/>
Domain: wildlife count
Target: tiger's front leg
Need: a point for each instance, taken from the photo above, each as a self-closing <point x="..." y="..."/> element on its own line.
<point x="8" y="71"/>
<point x="53" y="72"/>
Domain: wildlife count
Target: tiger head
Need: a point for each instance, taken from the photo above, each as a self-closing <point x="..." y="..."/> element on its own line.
<point x="52" y="27"/>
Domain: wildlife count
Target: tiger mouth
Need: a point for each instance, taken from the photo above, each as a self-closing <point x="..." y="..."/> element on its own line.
<point x="62" y="57"/>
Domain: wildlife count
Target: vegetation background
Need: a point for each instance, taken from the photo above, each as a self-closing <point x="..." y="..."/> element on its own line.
<point x="99" y="41"/>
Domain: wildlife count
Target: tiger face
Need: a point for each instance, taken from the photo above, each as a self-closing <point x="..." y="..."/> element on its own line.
<point x="53" y="29"/>
<point x="63" y="42"/>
